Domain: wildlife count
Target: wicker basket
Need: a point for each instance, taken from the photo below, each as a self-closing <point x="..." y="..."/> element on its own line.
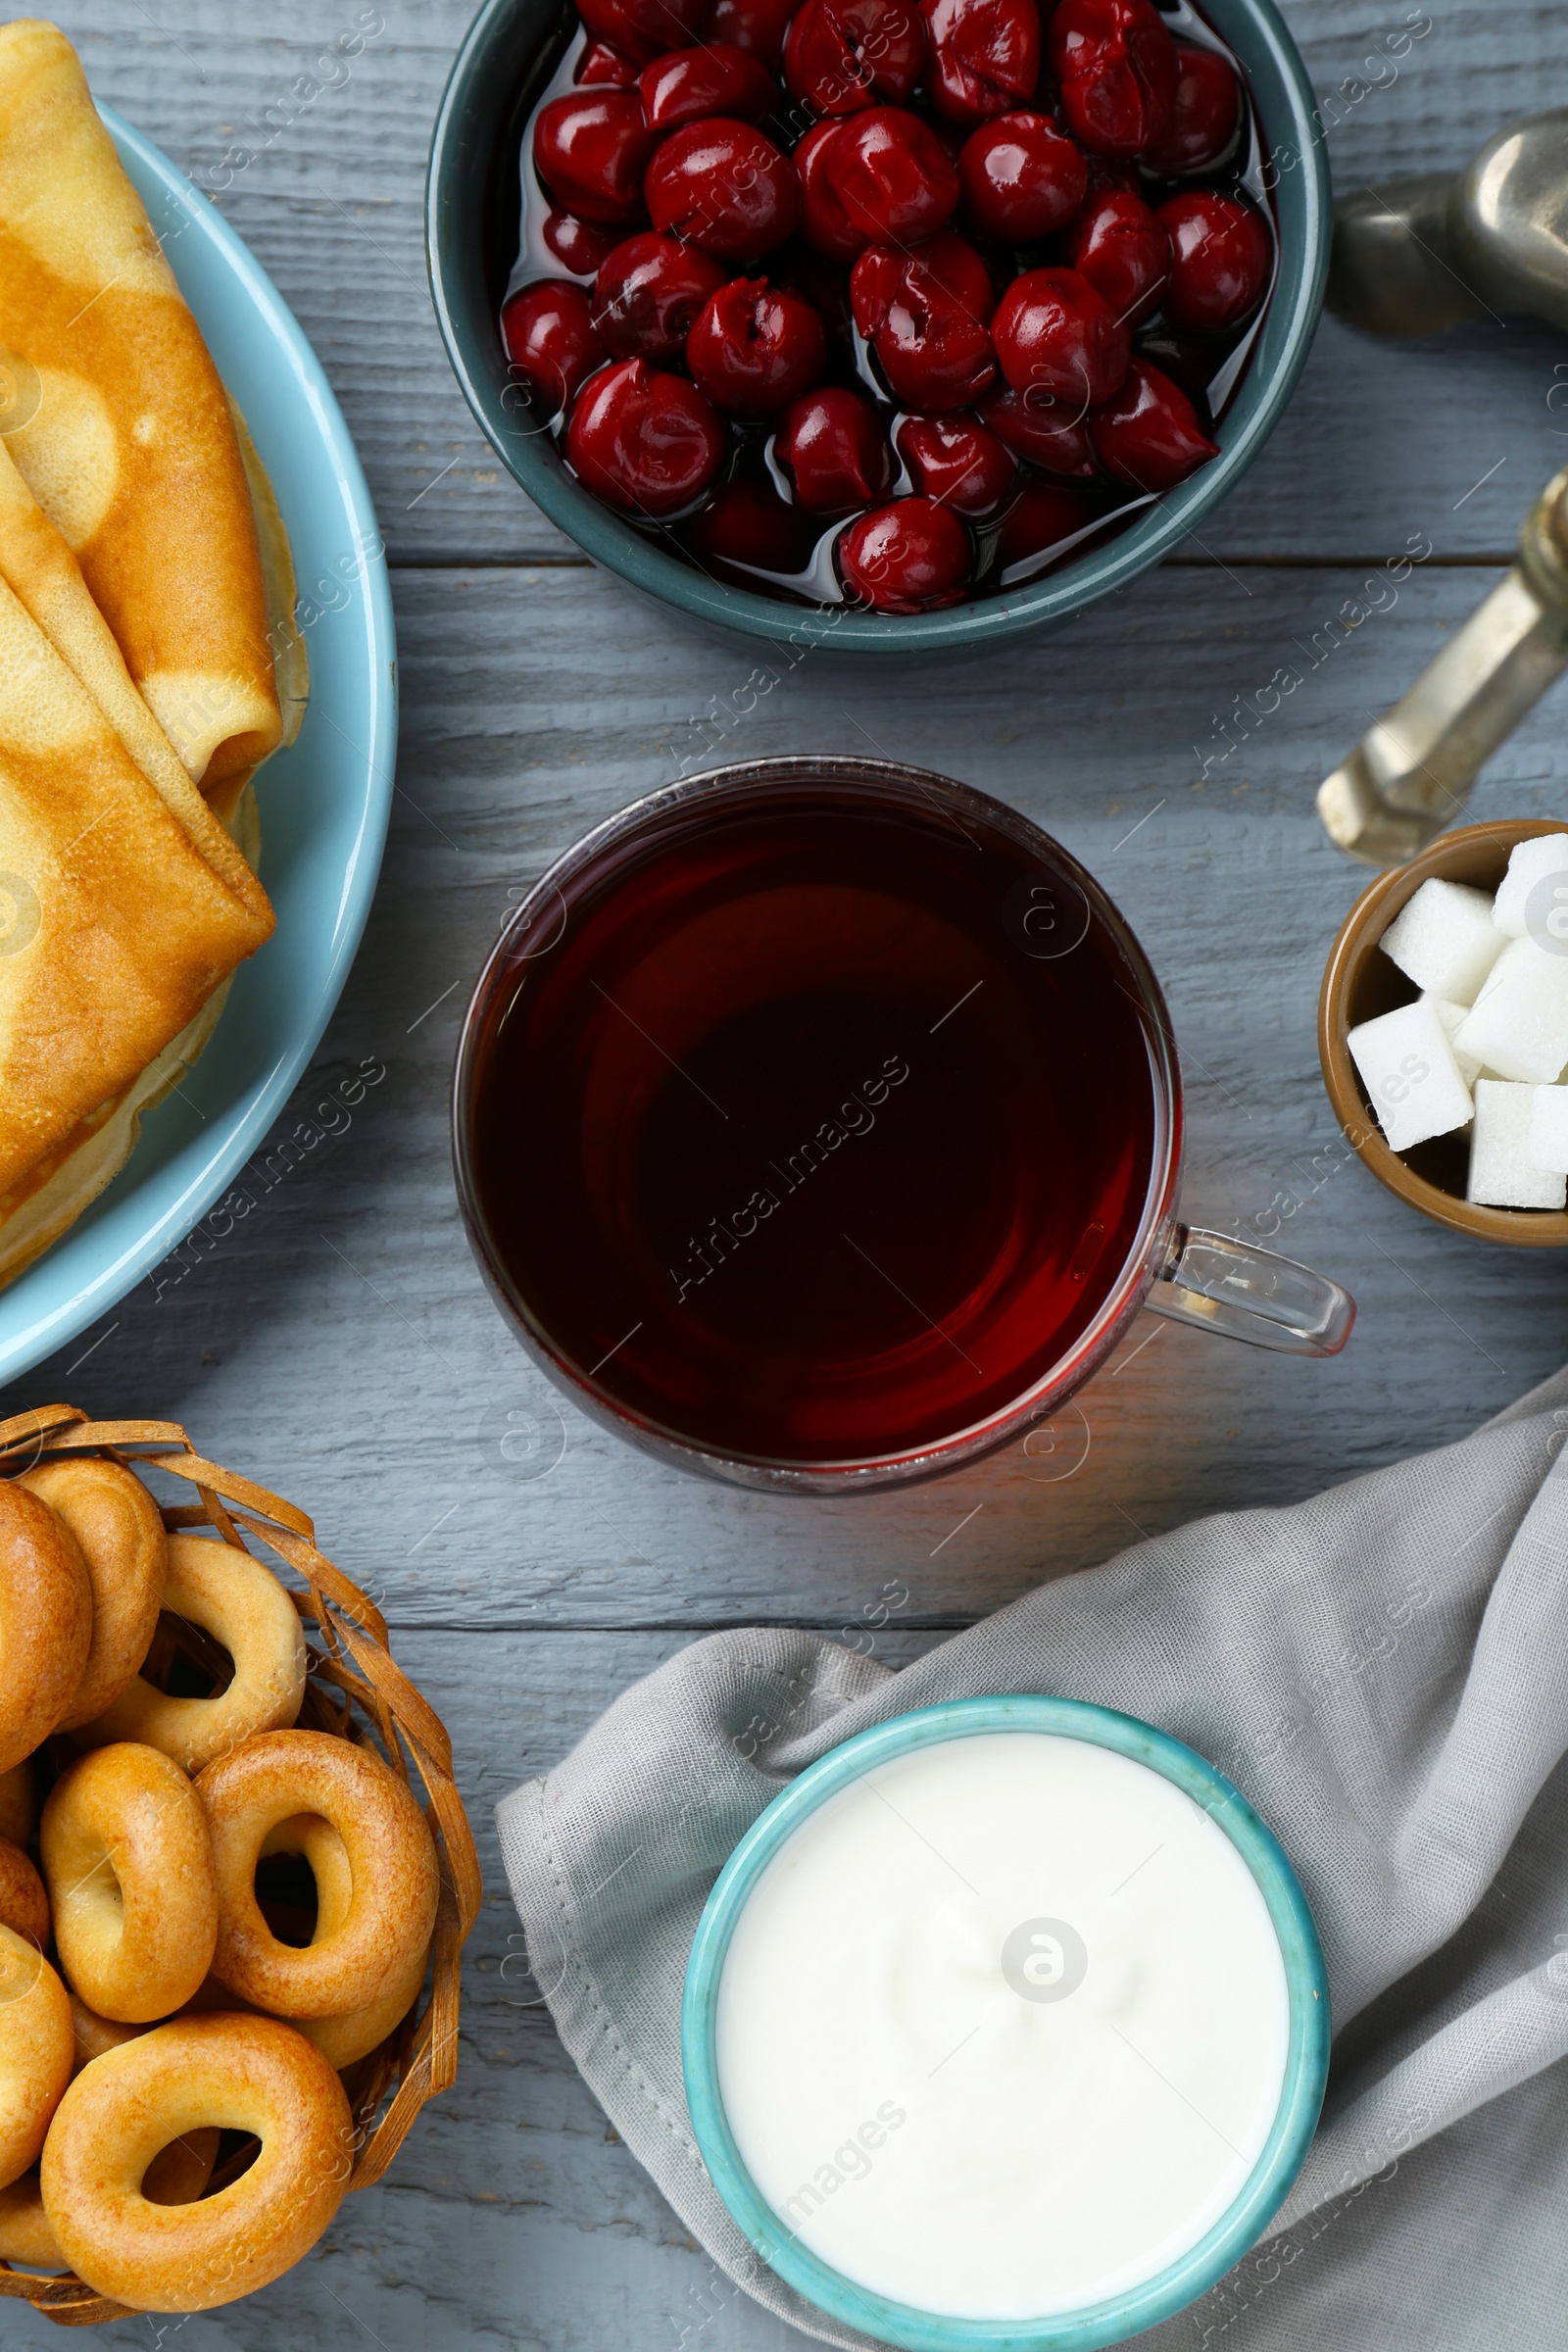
<point x="353" y="1690"/>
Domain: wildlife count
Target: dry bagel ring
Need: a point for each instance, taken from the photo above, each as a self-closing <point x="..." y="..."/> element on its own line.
<point x="129" y="1866"/>
<point x="353" y="1960"/>
<point x="344" y="2039"/>
<point x="93" y="2035"/>
<point x="25" y="2232"/>
<point x="45" y="1621"/>
<point x="184" y="2170"/>
<point x="182" y="2173"/>
<point x="241" y="1604"/>
<point x="118" y="1525"/>
<point x="23" y="1905"/>
<point x="313" y="1835"/>
<point x="37" y="2049"/>
<point x="185" y="2166"/>
<point x="19" y="1803"/>
<point x="176" y="2176"/>
<point x="248" y="2074"/>
<point x="179" y="2174"/>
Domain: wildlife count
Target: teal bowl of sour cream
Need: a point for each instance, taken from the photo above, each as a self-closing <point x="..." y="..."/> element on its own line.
<point x="1005" y="2028"/>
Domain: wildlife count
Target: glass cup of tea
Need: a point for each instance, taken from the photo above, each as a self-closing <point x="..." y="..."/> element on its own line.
<point x="817" y="1126"/>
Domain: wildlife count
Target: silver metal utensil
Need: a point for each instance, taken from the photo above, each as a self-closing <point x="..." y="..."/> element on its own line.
<point x="1411" y="258"/>
<point x="1410" y="774"/>
<point x="1414" y="256"/>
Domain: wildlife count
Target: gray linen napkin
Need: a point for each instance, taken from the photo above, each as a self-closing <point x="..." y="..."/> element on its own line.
<point x="1384" y="1673"/>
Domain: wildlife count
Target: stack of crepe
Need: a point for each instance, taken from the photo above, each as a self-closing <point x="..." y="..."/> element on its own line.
<point x="148" y="658"/>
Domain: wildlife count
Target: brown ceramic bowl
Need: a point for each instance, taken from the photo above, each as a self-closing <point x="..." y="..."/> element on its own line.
<point x="1360" y="983"/>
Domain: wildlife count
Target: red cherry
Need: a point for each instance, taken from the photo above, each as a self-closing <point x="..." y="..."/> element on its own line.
<point x="1204" y="119"/>
<point x="648" y="294"/>
<point x="824" y="221"/>
<point x="550" y="340"/>
<point x="602" y="66"/>
<point x="946" y="258"/>
<point x="578" y="245"/>
<point x="644" y="441"/>
<point x="1122" y="249"/>
<point x="841" y="55"/>
<point x="835" y="451"/>
<point x="985" y="57"/>
<point x="591" y="149"/>
<point x="1046" y="513"/>
<point x="718" y="78"/>
<point x="911" y="557"/>
<point x="748" y="522"/>
<point x="642" y="30"/>
<point x="1045" y="431"/>
<point x="889" y="173"/>
<point x="1148" y="436"/>
<point x="1054" y="334"/>
<point x="1220" y="260"/>
<point x="725" y="187"/>
<point x="1117" y="65"/>
<point x="1022" y="178"/>
<point x="756" y="347"/>
<point x="925" y="314"/>
<point x="756" y="25"/>
<point x="957" y="462"/>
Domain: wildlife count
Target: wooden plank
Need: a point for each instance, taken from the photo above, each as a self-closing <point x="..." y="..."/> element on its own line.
<point x="1381" y="439"/>
<point x="338" y="1343"/>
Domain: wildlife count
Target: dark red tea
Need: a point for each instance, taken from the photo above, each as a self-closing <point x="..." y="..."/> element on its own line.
<point x="818" y="1123"/>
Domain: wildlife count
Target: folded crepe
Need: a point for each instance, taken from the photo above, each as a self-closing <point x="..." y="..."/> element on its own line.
<point x="131" y="448"/>
<point x="39" y="568"/>
<point x="70" y="1179"/>
<point x="47" y="580"/>
<point x="124" y="909"/>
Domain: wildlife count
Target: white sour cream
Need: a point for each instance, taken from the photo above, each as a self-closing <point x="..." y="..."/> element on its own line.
<point x="1002" y="2029"/>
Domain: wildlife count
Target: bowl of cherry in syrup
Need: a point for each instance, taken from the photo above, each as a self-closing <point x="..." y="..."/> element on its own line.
<point x="894" y="326"/>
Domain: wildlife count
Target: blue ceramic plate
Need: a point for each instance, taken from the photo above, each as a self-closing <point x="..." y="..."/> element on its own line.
<point x="324" y="803"/>
<point x="1306" y="2063"/>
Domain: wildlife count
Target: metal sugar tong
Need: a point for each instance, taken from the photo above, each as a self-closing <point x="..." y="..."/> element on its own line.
<point x="1426" y="254"/>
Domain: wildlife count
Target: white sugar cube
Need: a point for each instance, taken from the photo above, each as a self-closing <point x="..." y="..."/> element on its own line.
<point x="1519" y="1023"/>
<point x="1528" y="868"/>
<point x="1452" y="1017"/>
<point x="1444" y="940"/>
<point x="1408" y="1069"/>
<point x="1547" y="1145"/>
<point x="1501" y="1173"/>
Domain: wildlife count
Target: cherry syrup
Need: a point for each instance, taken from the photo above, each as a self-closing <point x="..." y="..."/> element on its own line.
<point x="813" y="1121"/>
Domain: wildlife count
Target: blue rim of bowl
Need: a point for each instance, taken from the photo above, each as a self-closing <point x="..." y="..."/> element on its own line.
<point x="1258" y="33"/>
<point x="1181" y="2282"/>
<point x="244" y="1131"/>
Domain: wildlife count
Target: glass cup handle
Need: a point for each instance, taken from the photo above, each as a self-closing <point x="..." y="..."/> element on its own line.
<point x="1251" y="1294"/>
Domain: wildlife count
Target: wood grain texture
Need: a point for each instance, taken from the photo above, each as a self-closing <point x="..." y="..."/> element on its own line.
<point x="1381" y="439"/>
<point x="440" y="1466"/>
<point x="336" y="1342"/>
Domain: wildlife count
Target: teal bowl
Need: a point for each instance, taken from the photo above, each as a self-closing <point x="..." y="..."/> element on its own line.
<point x="1306" y="2062"/>
<point x="472" y="206"/>
<point x="323" y="805"/>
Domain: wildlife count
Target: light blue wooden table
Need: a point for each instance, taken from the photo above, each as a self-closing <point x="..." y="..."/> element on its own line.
<point x="339" y="1346"/>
